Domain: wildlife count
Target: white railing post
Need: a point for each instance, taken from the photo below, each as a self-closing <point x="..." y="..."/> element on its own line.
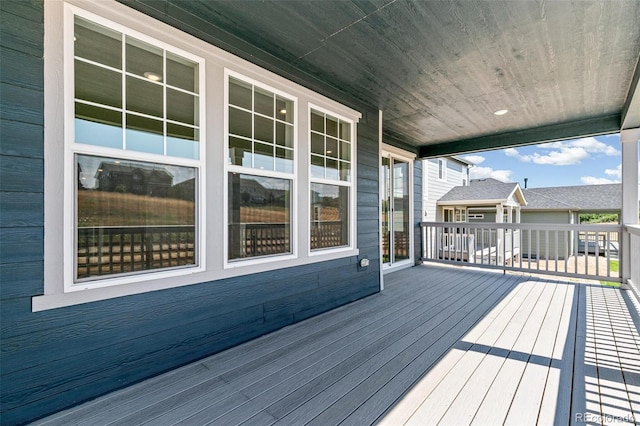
<point x="629" y="140"/>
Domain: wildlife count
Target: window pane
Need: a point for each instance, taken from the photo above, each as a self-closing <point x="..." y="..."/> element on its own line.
<point x="144" y="60"/>
<point x="240" y="122"/>
<point x="345" y="151"/>
<point x="182" y="107"/>
<point x="332" y="127"/>
<point x="263" y="156"/>
<point x="263" y="102"/>
<point x="345" y="131"/>
<point x="97" y="84"/>
<point x="182" y="73"/>
<point x="259" y="216"/>
<point x="317" y="166"/>
<point x="332" y="169"/>
<point x="317" y="122"/>
<point x="240" y="94"/>
<point x="144" y="135"/>
<point x="284" y="134"/>
<point x="329" y="216"/>
<point x="183" y="141"/>
<point x="332" y="148"/>
<point x="263" y="128"/>
<point x="97" y="43"/>
<point x="345" y="171"/>
<point x="133" y="216"/>
<point x="284" y="109"/>
<point x="240" y="152"/>
<point x="284" y="160"/>
<point x="317" y="144"/>
<point x="98" y="126"/>
<point x="144" y="96"/>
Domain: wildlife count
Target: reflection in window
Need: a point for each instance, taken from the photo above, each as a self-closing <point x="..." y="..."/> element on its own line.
<point x="157" y="104"/>
<point x="259" y="216"/>
<point x="265" y="121"/>
<point x="329" y="216"/>
<point x="133" y="216"/>
<point x="330" y="147"/>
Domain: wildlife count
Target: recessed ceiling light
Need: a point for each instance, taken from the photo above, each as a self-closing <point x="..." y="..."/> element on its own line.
<point x="501" y="112"/>
<point x="152" y="76"/>
<point x="283" y="111"/>
<point x="329" y="152"/>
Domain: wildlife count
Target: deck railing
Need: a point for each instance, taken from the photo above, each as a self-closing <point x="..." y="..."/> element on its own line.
<point x="584" y="251"/>
<point x="634" y="247"/>
<point x="109" y="250"/>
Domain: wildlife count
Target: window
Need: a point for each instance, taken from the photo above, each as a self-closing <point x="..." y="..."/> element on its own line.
<point x="130" y="164"/>
<point x="136" y="150"/>
<point x="260" y="170"/>
<point x="330" y="197"/>
<point x="442" y="169"/>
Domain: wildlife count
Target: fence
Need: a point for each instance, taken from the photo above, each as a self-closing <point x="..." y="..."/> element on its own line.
<point x="112" y="250"/>
<point x="585" y="251"/>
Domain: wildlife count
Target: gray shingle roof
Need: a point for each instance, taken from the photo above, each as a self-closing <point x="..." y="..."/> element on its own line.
<point x="596" y="198"/>
<point x="480" y="189"/>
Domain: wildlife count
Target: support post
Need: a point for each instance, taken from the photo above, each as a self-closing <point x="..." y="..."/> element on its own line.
<point x="629" y="140"/>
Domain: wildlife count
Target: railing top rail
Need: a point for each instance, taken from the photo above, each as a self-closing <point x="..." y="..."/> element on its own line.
<point x="531" y="226"/>
<point x="633" y="229"/>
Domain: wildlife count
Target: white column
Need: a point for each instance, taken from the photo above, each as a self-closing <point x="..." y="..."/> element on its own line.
<point x="518" y="214"/>
<point x="629" y="140"/>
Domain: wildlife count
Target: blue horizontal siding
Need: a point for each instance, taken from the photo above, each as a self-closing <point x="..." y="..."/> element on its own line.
<point x="58" y="358"/>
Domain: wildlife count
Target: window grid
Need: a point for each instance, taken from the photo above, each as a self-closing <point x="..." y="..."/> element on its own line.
<point x="329" y="149"/>
<point x="150" y="216"/>
<point x="280" y="148"/>
<point x="125" y="75"/>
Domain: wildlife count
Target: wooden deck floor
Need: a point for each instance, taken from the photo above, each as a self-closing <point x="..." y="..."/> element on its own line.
<point x="440" y="345"/>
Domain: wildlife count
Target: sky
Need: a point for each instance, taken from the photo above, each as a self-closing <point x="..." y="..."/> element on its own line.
<point x="586" y="161"/>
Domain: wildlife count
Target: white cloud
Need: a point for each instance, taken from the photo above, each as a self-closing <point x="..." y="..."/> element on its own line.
<point x="564" y="153"/>
<point x="617" y="172"/>
<point x="475" y="159"/>
<point x="563" y="157"/>
<point x="590" y="180"/>
<point x="590" y="145"/>
<point x="488" y="172"/>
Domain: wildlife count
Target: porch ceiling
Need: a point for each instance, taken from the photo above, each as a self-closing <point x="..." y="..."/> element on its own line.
<point x="439" y="69"/>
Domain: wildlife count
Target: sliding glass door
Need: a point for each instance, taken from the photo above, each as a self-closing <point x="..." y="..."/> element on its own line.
<point x="396" y="204"/>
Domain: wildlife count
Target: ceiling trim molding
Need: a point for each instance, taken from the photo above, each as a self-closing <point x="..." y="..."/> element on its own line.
<point x="556" y="132"/>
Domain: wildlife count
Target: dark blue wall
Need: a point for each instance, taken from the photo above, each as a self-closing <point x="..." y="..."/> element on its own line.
<point x="58" y="358"/>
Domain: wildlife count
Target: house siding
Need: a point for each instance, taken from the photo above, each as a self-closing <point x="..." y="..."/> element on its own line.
<point x="57" y="358"/>
<point x="535" y="240"/>
<point x="436" y="188"/>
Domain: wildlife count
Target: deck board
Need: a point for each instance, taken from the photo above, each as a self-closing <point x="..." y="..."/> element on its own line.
<point x="440" y="344"/>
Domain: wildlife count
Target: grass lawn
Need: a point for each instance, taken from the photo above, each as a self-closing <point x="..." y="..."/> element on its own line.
<point x="615" y="267"/>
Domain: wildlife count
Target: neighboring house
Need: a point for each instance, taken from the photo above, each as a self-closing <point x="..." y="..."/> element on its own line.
<point x="482" y="200"/>
<point x="439" y="176"/>
<point x="564" y="205"/>
<point x="137" y="179"/>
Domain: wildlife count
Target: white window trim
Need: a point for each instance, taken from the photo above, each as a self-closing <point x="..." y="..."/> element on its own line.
<point x="391" y="151"/>
<point x="443" y="162"/>
<point x="71" y="149"/>
<point x="216" y="61"/>
<point x="293" y="177"/>
<point x="351" y="184"/>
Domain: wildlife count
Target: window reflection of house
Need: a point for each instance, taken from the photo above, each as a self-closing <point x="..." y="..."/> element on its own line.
<point x="137" y="179"/>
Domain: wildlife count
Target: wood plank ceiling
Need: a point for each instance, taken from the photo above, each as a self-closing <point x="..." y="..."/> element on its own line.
<point x="439" y="69"/>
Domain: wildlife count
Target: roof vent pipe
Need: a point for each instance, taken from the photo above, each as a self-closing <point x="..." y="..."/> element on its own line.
<point x="525" y="182"/>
